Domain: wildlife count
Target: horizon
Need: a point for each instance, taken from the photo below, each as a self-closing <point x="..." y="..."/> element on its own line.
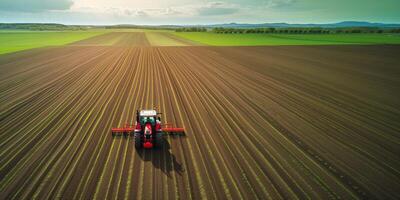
<point x="209" y="24"/>
<point x="185" y="12"/>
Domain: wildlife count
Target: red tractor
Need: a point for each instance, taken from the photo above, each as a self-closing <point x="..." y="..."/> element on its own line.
<point x="148" y="131"/>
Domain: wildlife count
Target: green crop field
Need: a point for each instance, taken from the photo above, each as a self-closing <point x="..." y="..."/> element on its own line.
<point x="15" y="40"/>
<point x="287" y="39"/>
<point x="12" y="41"/>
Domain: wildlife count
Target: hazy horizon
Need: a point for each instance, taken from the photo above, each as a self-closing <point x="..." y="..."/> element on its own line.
<point x="183" y="12"/>
<point x="205" y="24"/>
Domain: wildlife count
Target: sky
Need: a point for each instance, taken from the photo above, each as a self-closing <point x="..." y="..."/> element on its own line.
<point x="181" y="12"/>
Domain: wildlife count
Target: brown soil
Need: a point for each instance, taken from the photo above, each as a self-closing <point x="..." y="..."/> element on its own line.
<point x="261" y="122"/>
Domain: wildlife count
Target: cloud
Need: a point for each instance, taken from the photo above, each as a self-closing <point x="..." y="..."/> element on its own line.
<point x="217" y="8"/>
<point x="189" y="10"/>
<point x="279" y="3"/>
<point x="34" y="5"/>
<point x="128" y="12"/>
<point x="154" y="12"/>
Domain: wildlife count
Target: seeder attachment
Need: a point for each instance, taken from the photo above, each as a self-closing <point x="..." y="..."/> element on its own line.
<point x="126" y="130"/>
<point x="170" y="129"/>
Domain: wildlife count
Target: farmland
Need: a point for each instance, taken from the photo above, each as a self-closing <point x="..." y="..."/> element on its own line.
<point x="215" y="39"/>
<point x="277" y="122"/>
<point x="12" y="41"/>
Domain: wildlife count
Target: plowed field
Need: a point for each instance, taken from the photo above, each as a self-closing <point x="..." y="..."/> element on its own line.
<point x="261" y="122"/>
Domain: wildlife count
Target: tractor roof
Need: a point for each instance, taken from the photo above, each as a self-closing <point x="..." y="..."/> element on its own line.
<point x="148" y="113"/>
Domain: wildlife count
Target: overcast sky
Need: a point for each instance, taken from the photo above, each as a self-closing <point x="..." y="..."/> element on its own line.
<point x="198" y="11"/>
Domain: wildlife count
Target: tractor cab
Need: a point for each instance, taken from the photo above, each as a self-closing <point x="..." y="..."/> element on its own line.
<point x="148" y="129"/>
<point x="144" y="120"/>
<point x="148" y="116"/>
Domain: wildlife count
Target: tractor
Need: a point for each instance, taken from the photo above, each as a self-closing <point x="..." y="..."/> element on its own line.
<point x="147" y="130"/>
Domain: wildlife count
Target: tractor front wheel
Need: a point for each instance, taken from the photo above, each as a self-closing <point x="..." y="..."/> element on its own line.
<point x="138" y="140"/>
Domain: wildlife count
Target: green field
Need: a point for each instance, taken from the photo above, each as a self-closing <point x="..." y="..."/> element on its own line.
<point x="287" y="39"/>
<point x="12" y="41"/>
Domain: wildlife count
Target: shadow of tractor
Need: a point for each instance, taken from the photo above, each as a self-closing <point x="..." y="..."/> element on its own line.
<point x="162" y="158"/>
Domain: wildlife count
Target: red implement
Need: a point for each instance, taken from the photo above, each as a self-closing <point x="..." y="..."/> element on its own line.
<point x="168" y="127"/>
<point x="127" y="128"/>
<point x="148" y="145"/>
<point x="121" y="130"/>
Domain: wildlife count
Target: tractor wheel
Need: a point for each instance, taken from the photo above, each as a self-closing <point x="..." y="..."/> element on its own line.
<point x="138" y="141"/>
<point x="159" y="140"/>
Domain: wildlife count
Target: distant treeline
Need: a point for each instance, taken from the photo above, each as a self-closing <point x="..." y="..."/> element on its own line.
<point x="306" y="30"/>
<point x="191" y="29"/>
<point x="41" y="27"/>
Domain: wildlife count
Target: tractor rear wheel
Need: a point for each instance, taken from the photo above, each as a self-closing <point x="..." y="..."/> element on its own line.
<point x="138" y="140"/>
<point x="159" y="140"/>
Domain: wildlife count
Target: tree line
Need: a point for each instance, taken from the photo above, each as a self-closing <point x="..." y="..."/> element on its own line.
<point x="40" y="27"/>
<point x="191" y="29"/>
<point x="291" y="30"/>
<point x="306" y="30"/>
